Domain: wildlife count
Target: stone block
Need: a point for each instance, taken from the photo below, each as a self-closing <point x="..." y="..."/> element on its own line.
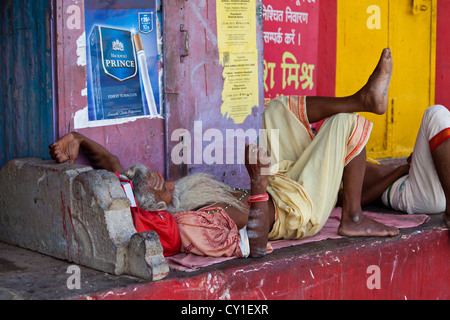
<point x="78" y="214"/>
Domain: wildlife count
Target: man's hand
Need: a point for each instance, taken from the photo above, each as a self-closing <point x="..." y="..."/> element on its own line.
<point x="257" y="162"/>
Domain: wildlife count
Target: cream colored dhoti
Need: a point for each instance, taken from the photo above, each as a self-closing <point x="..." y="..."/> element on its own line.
<point x="307" y="171"/>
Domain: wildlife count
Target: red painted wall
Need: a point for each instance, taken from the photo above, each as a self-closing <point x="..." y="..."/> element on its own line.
<point x="326" y="70"/>
<point x="443" y="54"/>
<point x="326" y="74"/>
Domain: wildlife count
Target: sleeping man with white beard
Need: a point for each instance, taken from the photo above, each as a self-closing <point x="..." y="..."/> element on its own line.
<point x="200" y="215"/>
<point x="196" y="214"/>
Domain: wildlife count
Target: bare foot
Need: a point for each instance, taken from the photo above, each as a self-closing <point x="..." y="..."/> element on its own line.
<point x="374" y="94"/>
<point x="65" y="149"/>
<point x="361" y="226"/>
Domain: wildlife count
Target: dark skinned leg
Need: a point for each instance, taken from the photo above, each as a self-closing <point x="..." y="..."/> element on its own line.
<point x="354" y="222"/>
<point x="373" y="97"/>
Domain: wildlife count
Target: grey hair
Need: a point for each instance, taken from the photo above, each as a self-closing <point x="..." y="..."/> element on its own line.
<point x="191" y="192"/>
<point x="199" y="190"/>
<point x="145" y="195"/>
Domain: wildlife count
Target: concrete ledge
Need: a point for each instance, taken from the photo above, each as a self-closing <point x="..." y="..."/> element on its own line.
<point x="412" y="265"/>
<point x="75" y="213"/>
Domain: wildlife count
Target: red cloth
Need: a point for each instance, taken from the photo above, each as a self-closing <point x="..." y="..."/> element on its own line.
<point x="163" y="223"/>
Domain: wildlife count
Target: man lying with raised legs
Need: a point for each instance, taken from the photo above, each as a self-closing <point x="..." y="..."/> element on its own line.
<point x="293" y="201"/>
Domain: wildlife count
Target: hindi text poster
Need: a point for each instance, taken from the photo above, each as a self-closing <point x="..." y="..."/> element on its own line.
<point x="291" y="30"/>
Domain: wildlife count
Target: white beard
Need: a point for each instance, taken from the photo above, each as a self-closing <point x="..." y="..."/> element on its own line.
<point x="198" y="190"/>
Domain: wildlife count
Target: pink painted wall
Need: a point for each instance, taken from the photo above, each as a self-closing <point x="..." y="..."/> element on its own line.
<point x="194" y="86"/>
<point x="192" y="89"/>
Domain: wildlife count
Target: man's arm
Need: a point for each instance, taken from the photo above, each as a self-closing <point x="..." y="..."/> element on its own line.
<point x="261" y="216"/>
<point x="67" y="149"/>
<point x="377" y="179"/>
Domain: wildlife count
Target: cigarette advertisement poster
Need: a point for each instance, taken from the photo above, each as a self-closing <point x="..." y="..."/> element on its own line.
<point x="291" y="30"/>
<point x="122" y="59"/>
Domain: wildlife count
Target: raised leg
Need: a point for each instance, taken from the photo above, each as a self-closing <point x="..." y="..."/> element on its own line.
<point x="354" y="222"/>
<point x="373" y="97"/>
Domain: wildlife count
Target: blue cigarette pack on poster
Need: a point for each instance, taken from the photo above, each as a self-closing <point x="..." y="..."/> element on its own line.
<point x="115" y="78"/>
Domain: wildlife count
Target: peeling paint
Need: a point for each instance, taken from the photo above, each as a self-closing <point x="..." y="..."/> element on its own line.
<point x="394" y="267"/>
<point x="225" y="295"/>
<point x="335" y="259"/>
<point x="81" y="50"/>
<point x="42" y="178"/>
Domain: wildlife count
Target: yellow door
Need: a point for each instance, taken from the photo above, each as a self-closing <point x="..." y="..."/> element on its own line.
<point x="408" y="27"/>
